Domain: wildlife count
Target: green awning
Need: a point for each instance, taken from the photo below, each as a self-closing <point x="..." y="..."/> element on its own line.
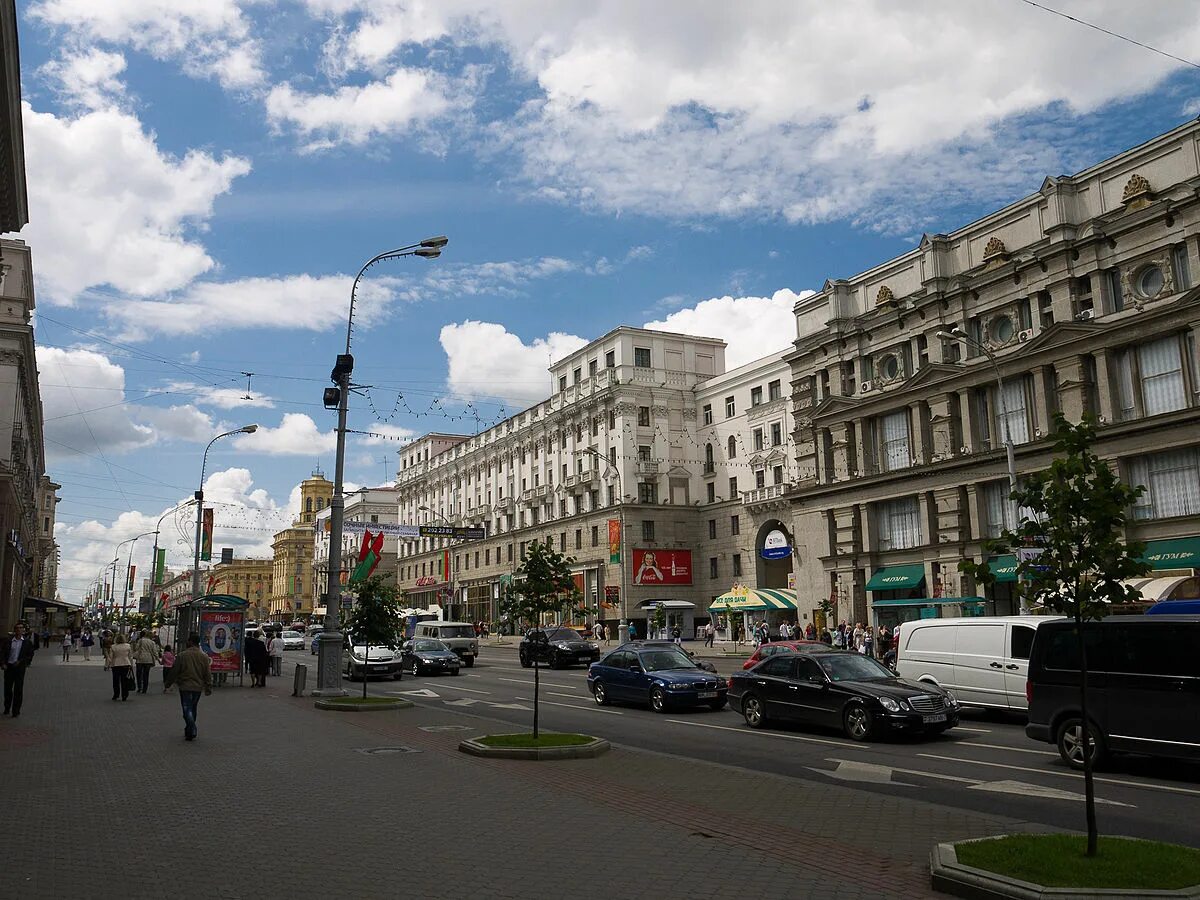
<point x="1176" y="553"/>
<point x="745" y="600"/>
<point x="1003" y="567"/>
<point x="895" y="578"/>
<point x="928" y="601"/>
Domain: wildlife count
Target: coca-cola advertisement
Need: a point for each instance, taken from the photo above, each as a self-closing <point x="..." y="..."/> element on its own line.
<point x="662" y="566"/>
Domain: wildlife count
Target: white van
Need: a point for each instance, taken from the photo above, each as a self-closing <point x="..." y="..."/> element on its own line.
<point x="458" y="636"/>
<point x="982" y="660"/>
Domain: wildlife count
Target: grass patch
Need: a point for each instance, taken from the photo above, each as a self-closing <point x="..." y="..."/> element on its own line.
<point x="545" y="739"/>
<point x="362" y="701"/>
<point x="1058" y="860"/>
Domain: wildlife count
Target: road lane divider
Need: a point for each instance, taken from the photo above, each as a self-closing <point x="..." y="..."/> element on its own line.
<point x="1074" y="775"/>
<point x="607" y="712"/>
<point x="1003" y="747"/>
<point x="772" y="734"/>
<point x="455" y="687"/>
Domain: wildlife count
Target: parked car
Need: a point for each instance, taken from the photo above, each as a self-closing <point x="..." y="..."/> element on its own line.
<point x="663" y="677"/>
<point x="702" y="663"/>
<point x="360" y="661"/>
<point x="982" y="660"/>
<point x="293" y="640"/>
<point x="1143" y="687"/>
<point x="299" y="626"/>
<point x="425" y="655"/>
<point x="458" y="636"/>
<point x="765" y="651"/>
<point x="840" y="689"/>
<point x="557" y="646"/>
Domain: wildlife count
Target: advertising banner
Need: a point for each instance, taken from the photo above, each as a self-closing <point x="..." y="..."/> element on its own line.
<point x="206" y="534"/>
<point x="221" y="639"/>
<point x="662" y="566"/>
<point x="614" y="540"/>
<point x="160" y="565"/>
<point x="132" y="575"/>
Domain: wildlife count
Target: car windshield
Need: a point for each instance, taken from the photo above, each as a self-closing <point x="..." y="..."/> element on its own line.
<point x="852" y="667"/>
<point x="456" y="631"/>
<point x="666" y="659"/>
<point x="291" y="634"/>
<point x="562" y="634"/>
<point x="429" y="647"/>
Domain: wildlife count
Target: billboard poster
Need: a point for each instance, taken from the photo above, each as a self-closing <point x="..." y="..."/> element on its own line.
<point x="662" y="566"/>
<point x="614" y="540"/>
<point x="206" y="534"/>
<point x="221" y="639"/>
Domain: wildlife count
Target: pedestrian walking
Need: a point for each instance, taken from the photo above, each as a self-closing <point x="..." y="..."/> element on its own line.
<point x="168" y="660"/>
<point x="858" y="637"/>
<point x="192" y="674"/>
<point x="66" y="646"/>
<point x="87" y="641"/>
<point x="146" y="655"/>
<point x="276" y="650"/>
<point x="632" y="632"/>
<point x="106" y="642"/>
<point x="16" y="653"/>
<point x="677" y="636"/>
<point x="785" y="631"/>
<point x="121" y="664"/>
<point x="257" y="659"/>
<point x="868" y="642"/>
<point x="810" y="633"/>
<point x="710" y="634"/>
<point x="45" y="637"/>
<point x="607" y="636"/>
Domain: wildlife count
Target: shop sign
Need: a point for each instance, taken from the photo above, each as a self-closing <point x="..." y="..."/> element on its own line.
<point x="662" y="566"/>
<point x="775" y="545"/>
<point x="426" y="580"/>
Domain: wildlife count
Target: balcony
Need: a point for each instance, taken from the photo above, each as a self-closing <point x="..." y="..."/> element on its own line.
<point x="647" y="467"/>
<point x="770" y="494"/>
<point x="710" y="469"/>
<point x="541" y="490"/>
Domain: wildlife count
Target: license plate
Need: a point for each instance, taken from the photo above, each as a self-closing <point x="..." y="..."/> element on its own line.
<point x="928" y="720"/>
<point x="709" y="695"/>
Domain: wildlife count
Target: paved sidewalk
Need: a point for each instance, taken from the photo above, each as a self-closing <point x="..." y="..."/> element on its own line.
<point x="278" y="799"/>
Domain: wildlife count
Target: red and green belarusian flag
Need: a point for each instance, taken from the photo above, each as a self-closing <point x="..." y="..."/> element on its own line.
<point x="369" y="555"/>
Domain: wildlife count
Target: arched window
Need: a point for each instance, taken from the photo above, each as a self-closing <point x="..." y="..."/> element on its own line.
<point x="308" y="505"/>
<point x="732" y="447"/>
<point x="708" y="455"/>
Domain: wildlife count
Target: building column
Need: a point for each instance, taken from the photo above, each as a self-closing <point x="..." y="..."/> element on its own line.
<point x="1041" y="401"/>
<point x="969" y="428"/>
<point x="1072" y="388"/>
<point x="941" y="428"/>
<point x="1105" y="385"/>
<point x="917" y="431"/>
<point x="840" y="442"/>
<point x="929" y="529"/>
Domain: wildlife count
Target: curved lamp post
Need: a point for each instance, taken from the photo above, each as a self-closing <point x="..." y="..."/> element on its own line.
<point x="126" y="586"/>
<point x="245" y="429"/>
<point x="329" y="649"/>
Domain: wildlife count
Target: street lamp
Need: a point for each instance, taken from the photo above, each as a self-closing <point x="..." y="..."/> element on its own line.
<point x="154" y="552"/>
<point x="329" y="652"/>
<point x="126" y="586"/>
<point x="245" y="429"/>
<point x="623" y="630"/>
<point x="957" y="334"/>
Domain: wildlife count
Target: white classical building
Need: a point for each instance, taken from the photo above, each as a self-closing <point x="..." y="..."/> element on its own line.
<point x="364" y="509"/>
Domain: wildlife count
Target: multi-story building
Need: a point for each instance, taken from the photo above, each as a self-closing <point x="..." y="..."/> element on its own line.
<point x="175" y="590"/>
<point x="250" y="579"/>
<point x="292" y="571"/>
<point x="14" y="208"/>
<point x="366" y="507"/>
<point x="1079" y="299"/>
<point x="46" y="580"/>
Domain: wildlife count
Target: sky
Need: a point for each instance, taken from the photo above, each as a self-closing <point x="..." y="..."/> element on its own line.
<point x="206" y="177"/>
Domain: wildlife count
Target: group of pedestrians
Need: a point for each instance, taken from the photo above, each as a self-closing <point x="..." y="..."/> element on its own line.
<point x="864" y="639"/>
<point x="600" y="632"/>
<point x="73" y="642"/>
<point x="264" y="655"/>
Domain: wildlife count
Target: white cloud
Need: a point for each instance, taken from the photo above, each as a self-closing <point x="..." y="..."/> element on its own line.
<point x="107" y="207"/>
<point x="296" y="435"/>
<point x="485" y="359"/>
<point x="179" y="423"/>
<point x="224" y="398"/>
<point x="210" y="38"/>
<point x="753" y="327"/>
<point x="385" y="434"/>
<point x="236" y="486"/>
<point x="87" y="79"/>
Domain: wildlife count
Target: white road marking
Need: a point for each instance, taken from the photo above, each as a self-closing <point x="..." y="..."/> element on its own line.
<point x="924" y="774"/>
<point x="463" y="701"/>
<point x="510" y="705"/>
<point x="455" y="687"/>
<point x="423" y="692"/>
<point x="1025" y="789"/>
<point x="849" y="770"/>
<point x="1002" y="747"/>
<point x="557" y="694"/>
<point x="975" y="730"/>
<point x="529" y="684"/>
<point x="607" y="712"/>
<point x="1076" y="775"/>
<point x="773" y="734"/>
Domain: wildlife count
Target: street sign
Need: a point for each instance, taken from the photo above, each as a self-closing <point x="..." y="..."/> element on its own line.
<point x="1028" y="554"/>
<point x="459" y="534"/>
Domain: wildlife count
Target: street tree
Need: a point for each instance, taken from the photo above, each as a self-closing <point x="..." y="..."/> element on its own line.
<point x="544" y="587"/>
<point x="658" y="619"/>
<point x="376" y="618"/>
<point x="1072" y="556"/>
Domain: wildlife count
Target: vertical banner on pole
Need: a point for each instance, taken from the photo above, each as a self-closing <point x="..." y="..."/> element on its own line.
<point x="614" y="540"/>
<point x="132" y="573"/>
<point x="160" y="565"/>
<point x="206" y="535"/>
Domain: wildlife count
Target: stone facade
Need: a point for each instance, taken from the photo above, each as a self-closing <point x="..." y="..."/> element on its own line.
<point x="292" y="569"/>
<point x="250" y="579"/>
<point x="370" y="506"/>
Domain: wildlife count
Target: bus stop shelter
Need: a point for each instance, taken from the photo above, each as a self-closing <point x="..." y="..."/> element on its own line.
<point x="220" y="620"/>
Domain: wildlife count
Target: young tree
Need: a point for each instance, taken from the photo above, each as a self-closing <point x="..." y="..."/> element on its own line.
<point x="1076" y="559"/>
<point x="544" y="587"/>
<point x="376" y="618"/>
<point x="659" y="619"/>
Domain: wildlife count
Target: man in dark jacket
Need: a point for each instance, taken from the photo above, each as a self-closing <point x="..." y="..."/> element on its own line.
<point x="16" y="653"/>
<point x="192" y="674"/>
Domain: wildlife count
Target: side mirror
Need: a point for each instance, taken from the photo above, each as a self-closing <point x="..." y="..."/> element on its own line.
<point x="635" y="667"/>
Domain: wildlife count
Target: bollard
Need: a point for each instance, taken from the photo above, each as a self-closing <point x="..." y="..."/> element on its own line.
<point x="299" y="680"/>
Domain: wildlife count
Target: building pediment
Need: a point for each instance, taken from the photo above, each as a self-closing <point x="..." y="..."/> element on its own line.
<point x="930" y="374"/>
<point x="835" y="404"/>
<point x="678" y="472"/>
<point x="1060" y="333"/>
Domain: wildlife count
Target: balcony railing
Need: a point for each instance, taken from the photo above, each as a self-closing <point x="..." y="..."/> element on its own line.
<point x="647" y="467"/>
<point x="763" y="494"/>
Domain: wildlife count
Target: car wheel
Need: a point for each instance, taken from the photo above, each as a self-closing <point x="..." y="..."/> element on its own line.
<point x="416" y="669"/>
<point x="470" y="661"/>
<point x="858" y="722"/>
<point x="658" y="700"/>
<point x="525" y="663"/>
<point x="398" y="675"/>
<point x="1070" y="743"/>
<point x="454" y="671"/>
<point x="555" y="662"/>
<point x="753" y="711"/>
<point x="600" y="694"/>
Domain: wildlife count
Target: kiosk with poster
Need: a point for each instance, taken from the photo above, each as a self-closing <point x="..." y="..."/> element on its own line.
<point x="219" y="619"/>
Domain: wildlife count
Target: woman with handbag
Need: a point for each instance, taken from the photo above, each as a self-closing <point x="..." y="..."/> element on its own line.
<point x="122" y="667"/>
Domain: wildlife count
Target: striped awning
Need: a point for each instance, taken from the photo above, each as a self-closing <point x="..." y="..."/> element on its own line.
<point x="753" y="600"/>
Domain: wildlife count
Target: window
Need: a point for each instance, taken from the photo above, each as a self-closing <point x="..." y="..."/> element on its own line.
<point x="899" y="524"/>
<point x="648" y="530"/>
<point x="1021" y="641"/>
<point x="758" y="439"/>
<point x="1116" y="296"/>
<point x="894" y="441"/>
<point x="487" y="557"/>
<point x="562" y="542"/>
<point x="591" y="368"/>
<point x="756" y="396"/>
<point x="641" y="357"/>
<point x="737" y="564"/>
<point x="647" y="492"/>
<point x="1150" y="376"/>
<point x="1011" y="412"/>
<point x="643" y="417"/>
<point x="777" y="475"/>
<point x="730" y="408"/>
<point x="510" y="553"/>
<point x="610" y="360"/>
<point x="643" y="453"/>
<point x="712" y="567"/>
<point x="732" y="448"/>
<point x="577" y="376"/>
<point x="735" y="525"/>
<point x="1179" y="261"/>
<point x="712" y="529"/>
<point x="1002" y="513"/>
<point x="709" y="465"/>
<point x="595" y="535"/>
<point x="776" y="434"/>
<point x="612" y="419"/>
<point x="777" y="667"/>
<point x="710" y="491"/>
<point x="1172" y="482"/>
<point x="611" y="494"/>
<point x="1148" y="282"/>
<point x="708" y="414"/>
<point x="733" y="488"/>
<point x="775" y="389"/>
<point x="562" y="382"/>
<point x="760" y="478"/>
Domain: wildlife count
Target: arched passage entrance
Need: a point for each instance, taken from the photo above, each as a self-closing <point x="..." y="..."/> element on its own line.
<point x="773" y="549"/>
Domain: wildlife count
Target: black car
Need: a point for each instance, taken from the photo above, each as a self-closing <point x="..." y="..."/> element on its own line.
<point x="663" y="677"/>
<point x="842" y="690"/>
<point x="557" y="646"/>
<point x="701" y="663"/>
<point x="425" y="655"/>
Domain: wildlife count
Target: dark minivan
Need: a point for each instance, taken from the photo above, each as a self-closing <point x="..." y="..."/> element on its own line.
<point x="1143" y="687"/>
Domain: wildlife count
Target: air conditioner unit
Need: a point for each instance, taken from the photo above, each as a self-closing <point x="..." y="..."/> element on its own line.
<point x="864" y="387"/>
<point x="963" y="451"/>
<point x="1086" y="315"/>
<point x="1025" y="335"/>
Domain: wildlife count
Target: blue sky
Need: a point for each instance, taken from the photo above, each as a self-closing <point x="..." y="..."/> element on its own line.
<point x="207" y="175"/>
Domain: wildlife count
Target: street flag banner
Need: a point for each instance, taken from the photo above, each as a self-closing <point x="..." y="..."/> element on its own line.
<point x="107" y="592"/>
<point x="206" y="534"/>
<point x="132" y="573"/>
<point x="614" y="540"/>
<point x="369" y="555"/>
<point x="160" y="565"/>
<point x="446" y="564"/>
<point x="212" y="583"/>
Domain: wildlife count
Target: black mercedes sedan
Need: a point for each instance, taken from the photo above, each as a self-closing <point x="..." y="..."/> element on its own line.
<point x="426" y="655"/>
<point x="840" y="689"/>
<point x="556" y="645"/>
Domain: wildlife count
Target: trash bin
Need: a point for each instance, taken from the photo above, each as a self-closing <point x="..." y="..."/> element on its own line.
<point x="299" y="680"/>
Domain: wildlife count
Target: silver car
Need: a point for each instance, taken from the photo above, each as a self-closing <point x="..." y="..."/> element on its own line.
<point x="293" y="640"/>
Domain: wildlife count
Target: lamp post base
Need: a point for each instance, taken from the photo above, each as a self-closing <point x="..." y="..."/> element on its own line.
<point x="329" y="666"/>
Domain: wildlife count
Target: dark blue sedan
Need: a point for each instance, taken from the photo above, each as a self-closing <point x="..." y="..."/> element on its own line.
<point x="663" y="677"/>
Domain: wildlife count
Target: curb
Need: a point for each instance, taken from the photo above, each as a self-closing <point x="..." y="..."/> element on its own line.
<point x="342" y="706"/>
<point x="590" y="750"/>
<point x="949" y="876"/>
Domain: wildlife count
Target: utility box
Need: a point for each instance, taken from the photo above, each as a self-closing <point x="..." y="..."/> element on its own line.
<point x="299" y="680"/>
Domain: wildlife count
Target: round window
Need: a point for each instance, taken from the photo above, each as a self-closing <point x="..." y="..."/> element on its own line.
<point x="1150" y="281"/>
<point x="889" y="366"/>
<point x="1001" y="330"/>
